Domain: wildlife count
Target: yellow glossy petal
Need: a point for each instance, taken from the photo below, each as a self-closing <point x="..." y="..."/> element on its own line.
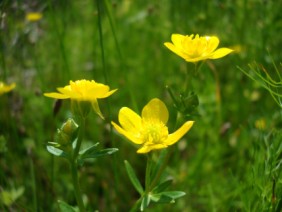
<point x="177" y="135"/>
<point x="177" y="40"/>
<point x="130" y="136"/>
<point x="107" y="94"/>
<point x="220" y="53"/>
<point x="173" y="48"/>
<point x="96" y="108"/>
<point x="155" y="110"/>
<point x="56" y="95"/>
<point x="147" y="148"/>
<point x="212" y="44"/>
<point x="130" y="121"/>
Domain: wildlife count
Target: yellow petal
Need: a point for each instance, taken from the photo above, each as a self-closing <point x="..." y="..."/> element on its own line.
<point x="147" y="148"/>
<point x="220" y="53"/>
<point x="107" y="94"/>
<point x="212" y="43"/>
<point x="155" y="110"/>
<point x="177" y="135"/>
<point x="177" y="40"/>
<point x="172" y="48"/>
<point x="129" y="120"/>
<point x="96" y="108"/>
<point x="56" y="95"/>
<point x="130" y="136"/>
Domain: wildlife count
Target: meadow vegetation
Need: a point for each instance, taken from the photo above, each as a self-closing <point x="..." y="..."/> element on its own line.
<point x="230" y="160"/>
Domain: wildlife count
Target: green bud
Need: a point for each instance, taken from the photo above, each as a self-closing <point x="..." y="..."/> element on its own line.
<point x="66" y="134"/>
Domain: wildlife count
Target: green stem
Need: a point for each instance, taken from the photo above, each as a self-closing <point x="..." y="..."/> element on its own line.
<point x="74" y="170"/>
<point x="160" y="171"/>
<point x="136" y="205"/>
<point x="148" y="173"/>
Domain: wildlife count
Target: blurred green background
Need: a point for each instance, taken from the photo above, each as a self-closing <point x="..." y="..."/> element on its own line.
<point x="229" y="161"/>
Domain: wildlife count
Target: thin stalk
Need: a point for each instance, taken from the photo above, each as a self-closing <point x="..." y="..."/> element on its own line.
<point x="101" y="40"/>
<point x="74" y="171"/>
<point x="148" y="173"/>
<point x="34" y="190"/>
<point x="135" y="206"/>
<point x="160" y="171"/>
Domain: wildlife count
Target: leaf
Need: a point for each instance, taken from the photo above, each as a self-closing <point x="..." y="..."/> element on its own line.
<point x="96" y="154"/>
<point x="162" y="186"/>
<point x="9" y="197"/>
<point x="89" y="150"/>
<point x="133" y="178"/>
<point x="167" y="196"/>
<point x="65" y="207"/>
<point x="57" y="152"/>
<point x="145" y="202"/>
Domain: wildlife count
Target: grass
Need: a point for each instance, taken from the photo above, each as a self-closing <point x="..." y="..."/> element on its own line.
<point x="225" y="163"/>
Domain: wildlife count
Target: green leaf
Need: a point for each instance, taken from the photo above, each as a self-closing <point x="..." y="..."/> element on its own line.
<point x="145" y="202"/>
<point x="9" y="197"/>
<point x="65" y="207"/>
<point x="133" y="178"/>
<point x="162" y="186"/>
<point x="57" y="152"/>
<point x="166" y="196"/>
<point x="97" y="153"/>
<point x="89" y="150"/>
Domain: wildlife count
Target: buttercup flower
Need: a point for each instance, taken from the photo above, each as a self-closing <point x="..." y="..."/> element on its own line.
<point x="33" y="16"/>
<point x="6" y="88"/>
<point x="149" y="130"/>
<point x="195" y="48"/>
<point x="83" y="91"/>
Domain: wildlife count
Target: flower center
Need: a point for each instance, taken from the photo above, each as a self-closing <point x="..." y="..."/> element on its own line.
<point x="154" y="132"/>
<point x="195" y="47"/>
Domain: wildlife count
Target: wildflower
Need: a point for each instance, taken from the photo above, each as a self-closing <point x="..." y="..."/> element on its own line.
<point x="150" y="129"/>
<point x="81" y="92"/>
<point x="33" y="16"/>
<point x="195" y="48"/>
<point x="6" y="88"/>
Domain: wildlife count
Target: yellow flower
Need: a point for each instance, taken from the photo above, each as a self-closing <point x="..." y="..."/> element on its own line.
<point x="83" y="91"/>
<point x="6" y="88"/>
<point x="195" y="48"/>
<point x="150" y="130"/>
<point x="33" y="16"/>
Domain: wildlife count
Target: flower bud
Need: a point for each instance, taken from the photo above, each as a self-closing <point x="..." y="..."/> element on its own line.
<point x="66" y="134"/>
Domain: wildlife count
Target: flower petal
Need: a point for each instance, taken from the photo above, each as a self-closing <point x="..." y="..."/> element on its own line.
<point x="96" y="108"/>
<point x="220" y="53"/>
<point x="177" y="135"/>
<point x="129" y="135"/>
<point x="129" y="120"/>
<point x="174" y="49"/>
<point x="56" y="95"/>
<point x="155" y="110"/>
<point x="147" y="148"/>
<point x="213" y="42"/>
<point x="177" y="40"/>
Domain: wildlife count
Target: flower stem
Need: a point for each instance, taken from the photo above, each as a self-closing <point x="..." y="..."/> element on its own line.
<point x="74" y="170"/>
<point x="148" y="173"/>
<point x="161" y="169"/>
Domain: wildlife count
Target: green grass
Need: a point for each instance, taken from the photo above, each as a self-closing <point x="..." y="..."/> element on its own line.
<point x="237" y="168"/>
